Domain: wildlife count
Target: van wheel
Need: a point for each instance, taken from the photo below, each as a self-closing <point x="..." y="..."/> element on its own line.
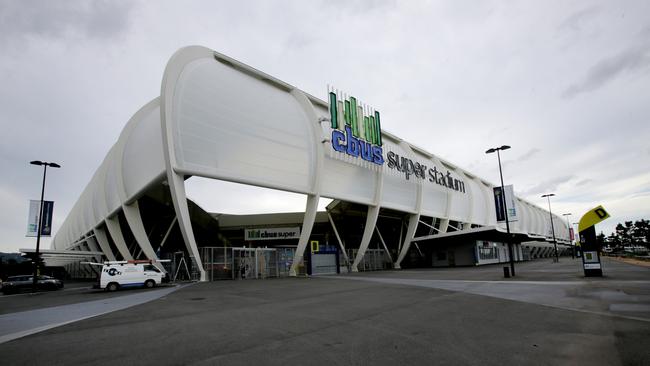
<point x="112" y="287"/>
<point x="149" y="284"/>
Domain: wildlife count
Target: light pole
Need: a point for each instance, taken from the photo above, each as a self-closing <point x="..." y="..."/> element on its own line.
<point x="550" y="213"/>
<point x="505" y="207"/>
<point x="40" y="220"/>
<point x="568" y="227"/>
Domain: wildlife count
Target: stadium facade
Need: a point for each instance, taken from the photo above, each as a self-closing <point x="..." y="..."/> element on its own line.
<point x="217" y="118"/>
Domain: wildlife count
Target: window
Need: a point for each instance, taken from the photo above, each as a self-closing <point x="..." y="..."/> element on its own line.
<point x="487" y="253"/>
<point x="151" y="268"/>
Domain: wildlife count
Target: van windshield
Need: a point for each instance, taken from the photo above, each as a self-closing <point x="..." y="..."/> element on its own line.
<point x="151" y="268"/>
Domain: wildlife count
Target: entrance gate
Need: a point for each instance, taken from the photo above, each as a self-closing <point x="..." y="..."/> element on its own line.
<point x="255" y="263"/>
<point x="373" y="260"/>
<point x="240" y="263"/>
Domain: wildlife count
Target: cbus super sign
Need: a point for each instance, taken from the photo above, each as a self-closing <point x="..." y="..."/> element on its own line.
<point x="356" y="131"/>
<point x="353" y="131"/>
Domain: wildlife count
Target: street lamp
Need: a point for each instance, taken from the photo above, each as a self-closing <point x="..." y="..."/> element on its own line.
<point x="505" y="207"/>
<point x="40" y="220"/>
<point x="568" y="227"/>
<point x="548" y="196"/>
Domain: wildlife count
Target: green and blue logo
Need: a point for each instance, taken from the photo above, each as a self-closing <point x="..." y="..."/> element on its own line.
<point x="356" y="129"/>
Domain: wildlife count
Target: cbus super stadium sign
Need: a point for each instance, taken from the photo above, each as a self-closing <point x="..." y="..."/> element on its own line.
<point x="356" y="132"/>
<point x="356" y="129"/>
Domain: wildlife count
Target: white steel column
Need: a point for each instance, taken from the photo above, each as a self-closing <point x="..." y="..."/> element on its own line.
<point x="133" y="218"/>
<point x="169" y="230"/>
<point x="100" y="234"/>
<point x="85" y="246"/>
<point x="305" y="232"/>
<point x="176" y="181"/>
<point x="371" y="221"/>
<point x="390" y="257"/>
<point x="92" y="245"/>
<point x="444" y="225"/>
<point x="338" y="239"/>
<point x="113" y="225"/>
<point x="318" y="155"/>
<point x="177" y="188"/>
<point x="414" y="219"/>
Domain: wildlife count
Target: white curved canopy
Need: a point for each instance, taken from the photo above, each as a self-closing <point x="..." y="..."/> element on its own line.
<point x="218" y="118"/>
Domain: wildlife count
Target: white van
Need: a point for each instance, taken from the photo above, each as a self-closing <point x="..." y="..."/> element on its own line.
<point x="118" y="274"/>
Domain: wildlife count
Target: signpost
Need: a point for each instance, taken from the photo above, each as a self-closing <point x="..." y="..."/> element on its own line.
<point x="588" y="244"/>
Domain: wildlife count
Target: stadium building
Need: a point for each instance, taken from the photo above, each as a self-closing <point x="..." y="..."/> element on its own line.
<point x="394" y="205"/>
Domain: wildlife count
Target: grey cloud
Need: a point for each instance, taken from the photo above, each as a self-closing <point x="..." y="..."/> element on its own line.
<point x="548" y="186"/>
<point x="526" y="156"/>
<point x="583" y="182"/>
<point x="473" y="164"/>
<point x="575" y="22"/>
<point x="59" y="19"/>
<point x="299" y="40"/>
<point x="360" y="5"/>
<point x="632" y="59"/>
<point x="529" y="154"/>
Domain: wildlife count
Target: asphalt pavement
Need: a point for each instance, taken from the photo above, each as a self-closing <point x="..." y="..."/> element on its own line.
<point x="379" y="318"/>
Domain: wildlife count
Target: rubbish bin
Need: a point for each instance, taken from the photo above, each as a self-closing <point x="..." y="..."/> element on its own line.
<point x="506" y="272"/>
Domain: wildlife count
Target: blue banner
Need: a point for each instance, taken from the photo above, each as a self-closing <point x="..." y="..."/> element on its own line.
<point x="32" y="221"/>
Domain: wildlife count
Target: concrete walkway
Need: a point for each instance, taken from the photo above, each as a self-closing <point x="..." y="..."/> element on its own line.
<point x="609" y="300"/>
<point x="623" y="292"/>
<point x="20" y="324"/>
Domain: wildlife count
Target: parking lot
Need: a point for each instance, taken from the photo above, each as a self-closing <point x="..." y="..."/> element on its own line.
<point x="548" y="315"/>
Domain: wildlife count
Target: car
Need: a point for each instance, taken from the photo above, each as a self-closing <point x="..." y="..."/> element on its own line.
<point x="16" y="284"/>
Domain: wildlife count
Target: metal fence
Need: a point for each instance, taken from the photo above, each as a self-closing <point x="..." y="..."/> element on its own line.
<point x="373" y="260"/>
<point x="245" y="263"/>
<point x="217" y="262"/>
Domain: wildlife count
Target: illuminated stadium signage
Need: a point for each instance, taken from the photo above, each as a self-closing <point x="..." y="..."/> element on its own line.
<point x="356" y="129"/>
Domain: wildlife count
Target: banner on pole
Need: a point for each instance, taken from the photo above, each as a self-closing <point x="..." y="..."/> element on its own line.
<point x="509" y="201"/>
<point x="32" y="218"/>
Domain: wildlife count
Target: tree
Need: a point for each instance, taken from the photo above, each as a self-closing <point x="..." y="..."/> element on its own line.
<point x="631" y="233"/>
<point x="642" y="230"/>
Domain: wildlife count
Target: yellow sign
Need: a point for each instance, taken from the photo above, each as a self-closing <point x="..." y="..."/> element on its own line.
<point x="592" y="217"/>
<point x="314" y="246"/>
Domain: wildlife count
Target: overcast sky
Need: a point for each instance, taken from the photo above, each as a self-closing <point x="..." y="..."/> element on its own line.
<point x="565" y="83"/>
